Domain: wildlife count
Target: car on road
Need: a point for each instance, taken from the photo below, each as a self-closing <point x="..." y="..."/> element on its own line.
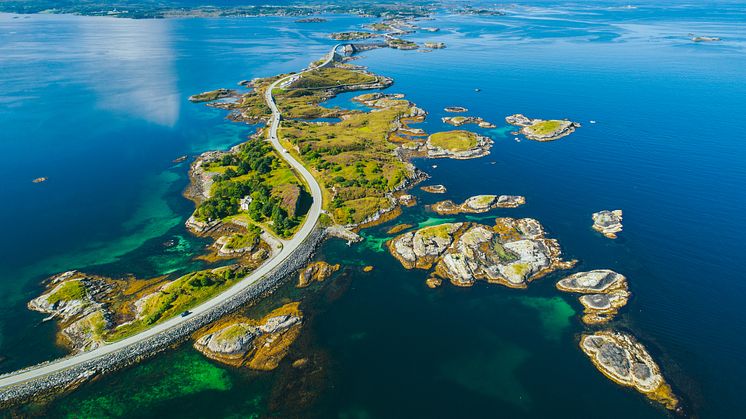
<point x="186" y="313"/>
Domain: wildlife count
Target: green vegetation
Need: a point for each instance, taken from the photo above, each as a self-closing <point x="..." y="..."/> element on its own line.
<point x="457" y="140"/>
<point x="353" y="158"/>
<point x="399" y="43"/>
<point x="69" y="291"/>
<point x="502" y="253"/>
<point x="246" y="240"/>
<point x="234" y="331"/>
<point x="181" y="294"/>
<point x="255" y="171"/>
<point x="546" y="127"/>
<point x="442" y="231"/>
<point x="332" y="77"/>
<point x="520" y="269"/>
<point x="485" y="200"/>
<point x="384" y="27"/>
<point x="348" y="36"/>
<point x="210" y="96"/>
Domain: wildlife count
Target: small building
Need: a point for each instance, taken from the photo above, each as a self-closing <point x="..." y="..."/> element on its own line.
<point x="243" y="204"/>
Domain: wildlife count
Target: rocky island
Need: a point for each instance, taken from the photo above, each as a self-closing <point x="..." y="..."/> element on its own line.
<point x="622" y="359"/>
<point x="311" y="20"/>
<point x="434" y="189"/>
<point x="259" y="345"/>
<point x="705" y="39"/>
<point x="455" y="109"/>
<point x="212" y="95"/>
<point x="353" y="35"/>
<point x="513" y="252"/>
<point x="316" y="272"/>
<point x="78" y="301"/>
<point x="605" y="293"/>
<point x="478" y="204"/>
<point x="398" y="43"/>
<point x="542" y="130"/>
<point x="435" y="45"/>
<point x="608" y="222"/>
<point x="457" y="144"/>
<point x="457" y="121"/>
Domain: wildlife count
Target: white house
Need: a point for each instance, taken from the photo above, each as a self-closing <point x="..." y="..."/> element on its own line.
<point x="243" y="204"/>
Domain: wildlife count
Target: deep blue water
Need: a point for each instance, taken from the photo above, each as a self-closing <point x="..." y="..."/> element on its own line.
<point x="99" y="106"/>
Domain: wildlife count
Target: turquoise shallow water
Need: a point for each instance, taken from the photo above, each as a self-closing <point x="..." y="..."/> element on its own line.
<point x="79" y="97"/>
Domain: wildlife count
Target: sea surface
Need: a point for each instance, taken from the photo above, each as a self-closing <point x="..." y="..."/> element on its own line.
<point x="99" y="106"/>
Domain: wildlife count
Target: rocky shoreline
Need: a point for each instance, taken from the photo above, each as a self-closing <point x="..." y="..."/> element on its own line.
<point x="478" y="204"/>
<point x="70" y="378"/>
<point x="512" y="253"/>
<point x="480" y="148"/>
<point x="258" y="345"/>
<point x="540" y="129"/>
<point x="605" y="292"/>
<point x="457" y="121"/>
<point x="621" y="358"/>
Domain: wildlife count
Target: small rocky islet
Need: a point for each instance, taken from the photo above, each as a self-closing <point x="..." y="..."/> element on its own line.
<point x="457" y="121"/>
<point x="457" y="144"/>
<point x="608" y="222"/>
<point x="316" y="272"/>
<point x="605" y="292"/>
<point x="258" y="345"/>
<point x="624" y="360"/>
<point x="540" y="129"/>
<point x="478" y="204"/>
<point x="434" y="189"/>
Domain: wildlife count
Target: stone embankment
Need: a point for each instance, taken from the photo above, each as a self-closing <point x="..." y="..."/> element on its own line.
<point x="130" y="355"/>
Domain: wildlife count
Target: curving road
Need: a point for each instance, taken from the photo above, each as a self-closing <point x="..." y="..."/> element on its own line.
<point x="288" y="248"/>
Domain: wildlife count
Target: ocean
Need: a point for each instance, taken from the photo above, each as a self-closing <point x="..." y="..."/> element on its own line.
<point x="99" y="106"/>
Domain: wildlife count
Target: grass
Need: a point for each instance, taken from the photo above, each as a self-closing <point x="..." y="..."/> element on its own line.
<point x="240" y="241"/>
<point x="331" y="77"/>
<point x="546" y="127"/>
<point x="502" y="253"/>
<point x="458" y="140"/>
<point x="233" y="331"/>
<point x="347" y="36"/>
<point x="357" y="210"/>
<point x="69" y="291"/>
<point x="485" y="199"/>
<point x="442" y="231"/>
<point x="352" y="159"/>
<point x="181" y="294"/>
<point x="209" y="96"/>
